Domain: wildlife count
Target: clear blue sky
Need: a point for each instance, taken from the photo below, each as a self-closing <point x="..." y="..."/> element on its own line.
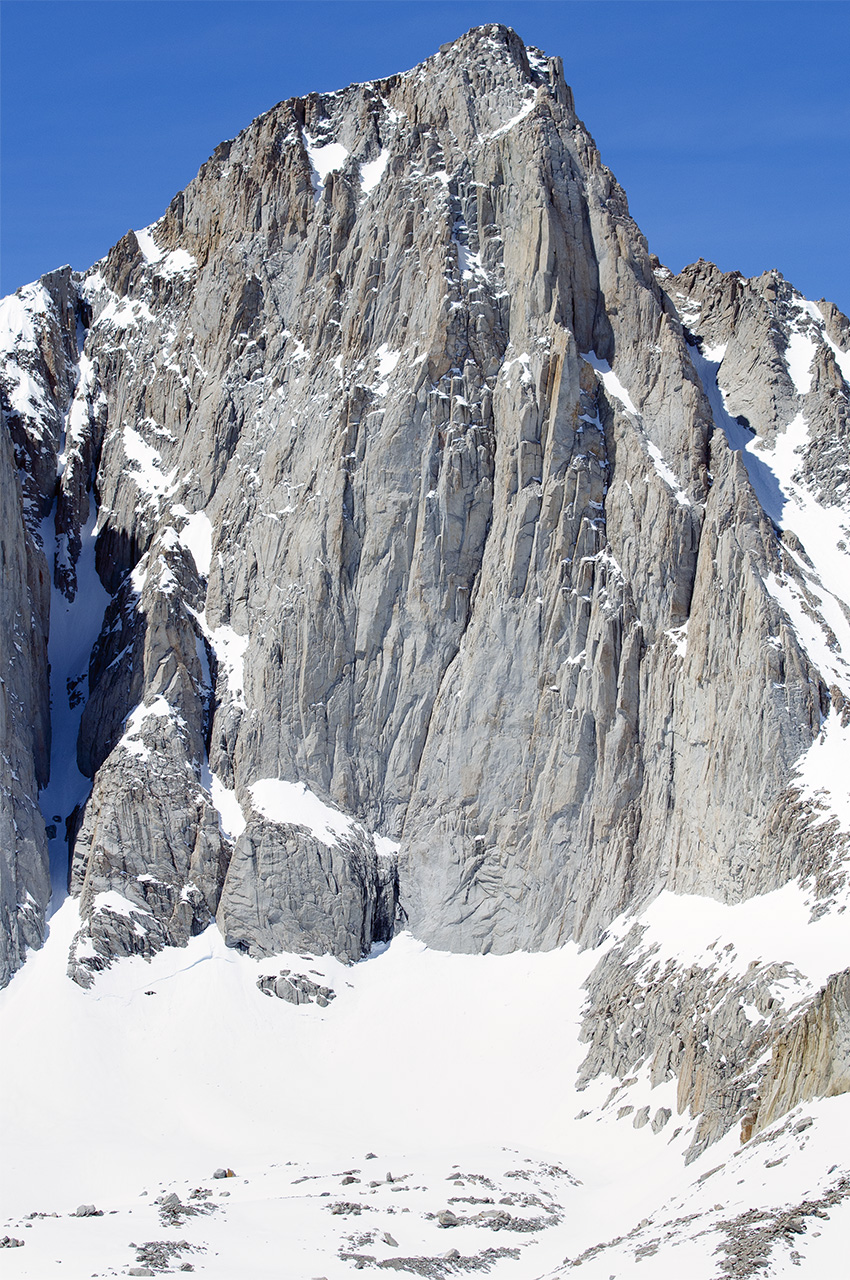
<point x="727" y="123"/>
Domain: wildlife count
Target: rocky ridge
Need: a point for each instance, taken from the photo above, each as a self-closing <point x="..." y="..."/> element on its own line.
<point x="450" y="583"/>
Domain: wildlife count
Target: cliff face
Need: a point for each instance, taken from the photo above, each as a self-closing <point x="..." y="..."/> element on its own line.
<point x="457" y="567"/>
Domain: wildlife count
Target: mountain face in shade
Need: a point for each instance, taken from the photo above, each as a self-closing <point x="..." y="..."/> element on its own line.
<point x="409" y="550"/>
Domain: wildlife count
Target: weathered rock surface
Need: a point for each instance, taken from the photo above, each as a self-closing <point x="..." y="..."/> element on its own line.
<point x="811" y="1059"/>
<point x="423" y="491"/>
<point x="296" y="988"/>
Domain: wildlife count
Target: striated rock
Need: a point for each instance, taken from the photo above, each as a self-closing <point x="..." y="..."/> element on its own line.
<point x="810" y="1058"/>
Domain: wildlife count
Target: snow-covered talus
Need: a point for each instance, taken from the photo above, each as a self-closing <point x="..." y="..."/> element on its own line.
<point x="457" y="567"/>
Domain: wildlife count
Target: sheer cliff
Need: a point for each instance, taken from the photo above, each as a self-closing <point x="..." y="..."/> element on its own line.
<point x="417" y="552"/>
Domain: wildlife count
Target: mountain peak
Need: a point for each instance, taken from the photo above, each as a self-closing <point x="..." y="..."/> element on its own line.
<point x="395" y="547"/>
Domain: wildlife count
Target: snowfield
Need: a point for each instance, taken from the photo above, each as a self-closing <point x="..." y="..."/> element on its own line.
<point x="431" y="1084"/>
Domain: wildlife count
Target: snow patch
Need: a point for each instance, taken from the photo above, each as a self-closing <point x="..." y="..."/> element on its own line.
<point x="385" y="847"/>
<point x="773" y="471"/>
<point x="524" y="110"/>
<point x="229" y="649"/>
<point x="387" y="361"/>
<point x="293" y="802"/>
<point x="823" y="772"/>
<point x="773" y="927"/>
<point x="111" y="900"/>
<point x="610" y="381"/>
<point x="196" y="536"/>
<point x="123" y="313"/>
<point x="373" y="170"/>
<point x="615" y="388"/>
<point x="666" y="474"/>
<point x="231" y="817"/>
<point x="131" y="738"/>
<point x="798" y="358"/>
<point x="177" y="262"/>
<point x="469" y="263"/>
<point x="324" y="158"/>
<point x="148" y="474"/>
<point x="151" y="251"/>
<point x="811" y="631"/>
<point x="679" y="636"/>
<point x="21" y="317"/>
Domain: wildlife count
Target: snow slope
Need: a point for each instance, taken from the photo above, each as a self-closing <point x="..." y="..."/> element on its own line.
<point x="455" y="1072"/>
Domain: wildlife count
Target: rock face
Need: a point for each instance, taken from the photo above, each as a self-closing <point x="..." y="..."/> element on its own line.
<point x="809" y="1060"/>
<point x="464" y="570"/>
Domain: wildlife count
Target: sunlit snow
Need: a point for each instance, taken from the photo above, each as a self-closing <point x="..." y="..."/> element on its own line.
<point x="196" y="535"/>
<point x="324" y="159"/>
<point x="430" y="1078"/>
<point x="372" y="172"/>
<point x="293" y="802"/>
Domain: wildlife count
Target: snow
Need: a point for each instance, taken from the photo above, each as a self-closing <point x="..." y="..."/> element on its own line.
<point x="373" y="170"/>
<point x="150" y="250"/>
<point x="679" y="636"/>
<point x="525" y="109"/>
<point x="763" y="480"/>
<point x="177" y="262"/>
<point x="86" y="391"/>
<point x="131" y="739"/>
<point x="615" y="388"/>
<point x="300" y="352"/>
<point x="124" y="313"/>
<point x="469" y="263"/>
<point x="811" y="631"/>
<point x="17" y="317"/>
<point x="822" y="771"/>
<point x="230" y="814"/>
<point x="822" y="530"/>
<point x="147" y="473"/>
<point x="610" y="381"/>
<point x="451" y="1069"/>
<point x="387" y="361"/>
<point x="772" y="927"/>
<point x="294" y="802"/>
<point x="666" y="474"/>
<point x="324" y="159"/>
<point x="229" y="648"/>
<point x="229" y="809"/>
<point x="196" y="536"/>
<point x="384" y="847"/>
<point x="22" y="315"/>
<point x="798" y="358"/>
<point x="74" y="627"/>
<point x="111" y="900"/>
<point x="524" y="361"/>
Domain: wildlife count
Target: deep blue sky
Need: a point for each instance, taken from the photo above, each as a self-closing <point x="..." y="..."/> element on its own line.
<point x="727" y="123"/>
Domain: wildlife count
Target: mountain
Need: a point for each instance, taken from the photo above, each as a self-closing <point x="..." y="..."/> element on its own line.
<point x="399" y="560"/>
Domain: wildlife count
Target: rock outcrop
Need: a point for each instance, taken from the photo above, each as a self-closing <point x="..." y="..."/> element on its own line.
<point x="811" y="1059"/>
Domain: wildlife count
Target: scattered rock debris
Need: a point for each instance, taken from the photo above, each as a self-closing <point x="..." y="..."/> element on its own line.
<point x="157" y="1255"/>
<point x="173" y="1212"/>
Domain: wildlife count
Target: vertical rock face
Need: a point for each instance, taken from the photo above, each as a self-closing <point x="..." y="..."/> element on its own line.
<point x="466" y="570"/>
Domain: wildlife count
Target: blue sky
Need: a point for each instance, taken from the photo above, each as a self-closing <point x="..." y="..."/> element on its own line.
<point x="728" y="123"/>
